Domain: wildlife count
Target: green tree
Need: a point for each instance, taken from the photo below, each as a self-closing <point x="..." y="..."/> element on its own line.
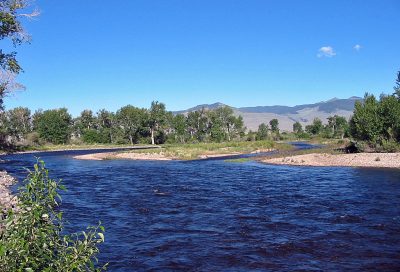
<point x="397" y="86"/>
<point x="366" y="123"/>
<point x="274" y="123"/>
<point x="389" y="112"/>
<point x="262" y="133"/>
<point x="87" y="120"/>
<point x="316" y="127"/>
<point x="131" y="120"/>
<point x="11" y="11"/>
<point x="35" y="239"/>
<point x="157" y="118"/>
<point x="198" y="125"/>
<point x="297" y="128"/>
<point x="107" y="128"/>
<point x="226" y="120"/>
<point x="53" y="125"/>
<point x="180" y="127"/>
<point x="338" y="125"/>
<point x="19" y="123"/>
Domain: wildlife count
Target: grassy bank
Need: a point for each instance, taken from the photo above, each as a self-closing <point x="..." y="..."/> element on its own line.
<point x="50" y="147"/>
<point x="202" y="150"/>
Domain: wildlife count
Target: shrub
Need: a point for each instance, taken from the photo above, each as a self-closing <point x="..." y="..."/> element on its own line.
<point x="33" y="238"/>
<point x="33" y="138"/>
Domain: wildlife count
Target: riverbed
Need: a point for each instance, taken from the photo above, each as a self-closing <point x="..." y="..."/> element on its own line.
<point x="213" y="215"/>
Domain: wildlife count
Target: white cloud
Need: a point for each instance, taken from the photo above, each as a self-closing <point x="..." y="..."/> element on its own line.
<point x="326" y="51"/>
<point x="357" y="47"/>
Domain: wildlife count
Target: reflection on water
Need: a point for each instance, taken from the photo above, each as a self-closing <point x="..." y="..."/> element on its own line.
<point x="214" y="215"/>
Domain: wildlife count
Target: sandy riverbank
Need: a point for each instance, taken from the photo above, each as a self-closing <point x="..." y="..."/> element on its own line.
<point x="124" y="155"/>
<point x="381" y="160"/>
<point x="161" y="156"/>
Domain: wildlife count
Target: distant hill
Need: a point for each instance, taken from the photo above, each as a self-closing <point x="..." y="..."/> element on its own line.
<point x="305" y="114"/>
<point x="203" y="106"/>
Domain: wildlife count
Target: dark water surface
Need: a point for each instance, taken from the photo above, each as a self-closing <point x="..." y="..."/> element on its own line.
<point x="214" y="215"/>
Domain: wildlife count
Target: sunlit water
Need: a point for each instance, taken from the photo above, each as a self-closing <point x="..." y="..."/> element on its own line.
<point x="214" y="215"/>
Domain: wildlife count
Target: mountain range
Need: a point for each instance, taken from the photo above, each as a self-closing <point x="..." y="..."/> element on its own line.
<point x="287" y="115"/>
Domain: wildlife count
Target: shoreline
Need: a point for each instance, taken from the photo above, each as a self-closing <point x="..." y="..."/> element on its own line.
<point x="7" y="199"/>
<point x="372" y="160"/>
<point x="159" y="156"/>
<point x="82" y="149"/>
<point x="131" y="156"/>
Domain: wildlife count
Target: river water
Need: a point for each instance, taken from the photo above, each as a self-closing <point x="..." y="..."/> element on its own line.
<point x="214" y="215"/>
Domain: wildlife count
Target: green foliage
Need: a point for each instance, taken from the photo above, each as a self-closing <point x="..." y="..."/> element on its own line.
<point x="274" y="123"/>
<point x="91" y="136"/>
<point x="397" y="86"/>
<point x="19" y="123"/>
<point x="53" y="125"/>
<point x="378" y="122"/>
<point x="131" y="119"/>
<point x="11" y="29"/>
<point x="156" y="119"/>
<point x="365" y="123"/>
<point x="338" y="125"/>
<point x="315" y="128"/>
<point x="297" y="128"/>
<point x="34" y="239"/>
<point x="262" y="133"/>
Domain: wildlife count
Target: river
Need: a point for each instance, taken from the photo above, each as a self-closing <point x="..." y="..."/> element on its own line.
<point x="213" y="215"/>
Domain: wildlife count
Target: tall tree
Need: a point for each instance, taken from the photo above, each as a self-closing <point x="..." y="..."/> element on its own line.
<point x="157" y="118"/>
<point x="397" y="86"/>
<point x="316" y="127"/>
<point x="88" y="121"/>
<point x="262" y="133"/>
<point x="179" y="125"/>
<point x="338" y="125"/>
<point x="198" y="124"/>
<point x="297" y="128"/>
<point x="106" y="122"/>
<point x="53" y="125"/>
<point x="130" y="119"/>
<point x="274" y="123"/>
<point x="19" y="122"/>
<point x="11" y="11"/>
<point x="366" y="123"/>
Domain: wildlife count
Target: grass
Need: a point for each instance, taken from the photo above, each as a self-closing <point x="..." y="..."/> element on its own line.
<point x="241" y="160"/>
<point x="51" y="147"/>
<point x="195" y="151"/>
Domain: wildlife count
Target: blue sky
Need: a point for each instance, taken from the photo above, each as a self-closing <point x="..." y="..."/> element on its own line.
<point x="106" y="54"/>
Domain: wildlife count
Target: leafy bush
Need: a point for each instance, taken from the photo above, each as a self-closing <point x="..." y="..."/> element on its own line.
<point x="388" y="146"/>
<point x="33" y="238"/>
<point x="33" y="138"/>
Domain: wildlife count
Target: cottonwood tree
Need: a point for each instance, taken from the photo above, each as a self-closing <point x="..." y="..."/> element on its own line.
<point x="274" y="123"/>
<point x="198" y="124"/>
<point x="53" y="126"/>
<point x="365" y="123"/>
<point x="19" y="122"/>
<point x="397" y="86"/>
<point x="262" y="133"/>
<point x="338" y="125"/>
<point x="11" y="29"/>
<point x="180" y="127"/>
<point x="106" y="121"/>
<point x="316" y="127"/>
<point x="157" y="118"/>
<point x="130" y="119"/>
<point x="297" y="127"/>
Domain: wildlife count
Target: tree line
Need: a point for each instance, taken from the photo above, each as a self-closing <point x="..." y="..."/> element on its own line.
<point x="376" y="122"/>
<point x="128" y="125"/>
